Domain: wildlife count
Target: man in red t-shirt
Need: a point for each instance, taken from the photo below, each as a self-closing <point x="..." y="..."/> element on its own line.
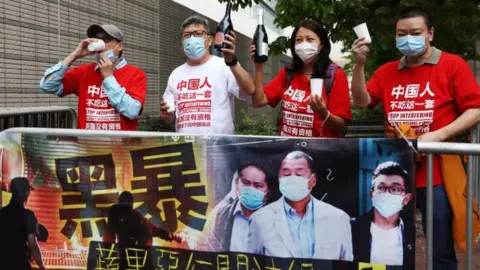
<point x="433" y="92"/>
<point x="111" y="93"/>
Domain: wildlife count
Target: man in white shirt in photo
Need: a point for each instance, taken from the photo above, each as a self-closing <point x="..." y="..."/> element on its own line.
<point x="381" y="235"/>
<point x="199" y="92"/>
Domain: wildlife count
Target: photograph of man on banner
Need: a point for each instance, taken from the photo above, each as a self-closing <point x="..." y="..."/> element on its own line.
<point x="381" y="235"/>
<point x="227" y="223"/>
<point x="299" y="225"/>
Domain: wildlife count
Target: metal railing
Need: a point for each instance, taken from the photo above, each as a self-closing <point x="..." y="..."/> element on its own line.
<point x="430" y="148"/>
<point x="473" y="150"/>
<point x="45" y="117"/>
<point x="475" y="163"/>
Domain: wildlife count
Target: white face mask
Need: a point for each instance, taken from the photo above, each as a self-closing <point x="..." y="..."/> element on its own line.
<point x="387" y="204"/>
<point x="307" y="51"/>
<point x="294" y="187"/>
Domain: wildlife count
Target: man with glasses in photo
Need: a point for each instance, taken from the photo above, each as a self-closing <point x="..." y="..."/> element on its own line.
<point x="111" y="92"/>
<point x="381" y="235"/>
<point x="199" y="92"/>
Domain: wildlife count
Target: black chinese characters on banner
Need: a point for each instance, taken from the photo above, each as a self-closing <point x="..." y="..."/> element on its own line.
<point x="89" y="185"/>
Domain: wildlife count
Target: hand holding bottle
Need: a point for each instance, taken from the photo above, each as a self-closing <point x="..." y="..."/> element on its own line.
<point x="229" y="53"/>
<point x="258" y="65"/>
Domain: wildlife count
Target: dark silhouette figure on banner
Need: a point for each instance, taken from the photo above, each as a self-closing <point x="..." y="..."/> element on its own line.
<point x="18" y="230"/>
<point x="128" y="227"/>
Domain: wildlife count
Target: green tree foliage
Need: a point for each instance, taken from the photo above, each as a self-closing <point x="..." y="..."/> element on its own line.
<point x="257" y="126"/>
<point x="456" y="23"/>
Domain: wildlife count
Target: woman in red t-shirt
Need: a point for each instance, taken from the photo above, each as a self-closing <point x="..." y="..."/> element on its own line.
<point x="304" y="115"/>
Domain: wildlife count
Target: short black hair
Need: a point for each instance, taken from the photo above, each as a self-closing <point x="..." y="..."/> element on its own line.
<point x="271" y="181"/>
<point x="252" y="164"/>
<point x="412" y="12"/>
<point x="392" y="168"/>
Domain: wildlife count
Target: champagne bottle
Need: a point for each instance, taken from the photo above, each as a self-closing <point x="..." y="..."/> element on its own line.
<point x="260" y="40"/>
<point x="224" y="27"/>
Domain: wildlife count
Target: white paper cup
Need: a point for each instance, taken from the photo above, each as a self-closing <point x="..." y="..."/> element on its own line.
<point x="170" y="100"/>
<point x="316" y="87"/>
<point x="362" y="31"/>
<point x="96" y="46"/>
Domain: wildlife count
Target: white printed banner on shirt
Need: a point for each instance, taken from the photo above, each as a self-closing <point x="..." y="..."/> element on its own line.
<point x="298" y="118"/>
<point x="418" y="120"/>
<point x="413" y="105"/>
<point x="100" y="113"/>
<point x="194" y="103"/>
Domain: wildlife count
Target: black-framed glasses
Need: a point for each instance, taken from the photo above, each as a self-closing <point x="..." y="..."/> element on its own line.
<point x="392" y="190"/>
<point x="198" y="33"/>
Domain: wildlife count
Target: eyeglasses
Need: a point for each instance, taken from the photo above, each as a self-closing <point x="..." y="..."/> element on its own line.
<point x="198" y="33"/>
<point x="391" y="190"/>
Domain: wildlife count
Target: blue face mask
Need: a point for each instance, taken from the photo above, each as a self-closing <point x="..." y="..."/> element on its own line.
<point x="109" y="54"/>
<point x="411" y="45"/>
<point x="194" y="47"/>
<point x="294" y="187"/>
<point x="251" y="198"/>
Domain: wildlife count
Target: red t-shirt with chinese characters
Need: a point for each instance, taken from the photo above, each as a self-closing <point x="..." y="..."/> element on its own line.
<point x="298" y="120"/>
<point x="427" y="98"/>
<point x="94" y="110"/>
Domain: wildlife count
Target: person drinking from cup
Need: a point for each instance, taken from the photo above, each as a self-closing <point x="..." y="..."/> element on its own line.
<point x="111" y="92"/>
<point x="434" y="96"/>
<point x="322" y="111"/>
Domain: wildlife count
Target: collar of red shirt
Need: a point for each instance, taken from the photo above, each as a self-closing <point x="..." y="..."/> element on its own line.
<point x="432" y="60"/>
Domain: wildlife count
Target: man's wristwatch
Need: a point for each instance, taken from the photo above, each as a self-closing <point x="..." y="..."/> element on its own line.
<point x="233" y="62"/>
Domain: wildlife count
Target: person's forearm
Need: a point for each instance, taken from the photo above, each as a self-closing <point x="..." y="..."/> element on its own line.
<point x="68" y="61"/>
<point x="120" y="99"/>
<point x="259" y="99"/>
<point x="335" y="123"/>
<point x="466" y="121"/>
<point x="243" y="79"/>
<point x="51" y="82"/>
<point x="361" y="98"/>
